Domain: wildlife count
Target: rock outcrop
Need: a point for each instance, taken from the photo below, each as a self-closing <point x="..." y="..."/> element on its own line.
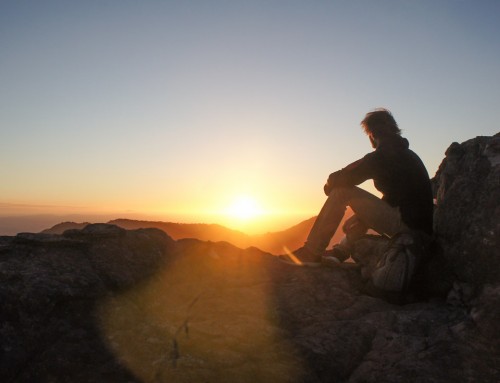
<point x="49" y="288"/>
<point x="467" y="217"/>
<point x="104" y="304"/>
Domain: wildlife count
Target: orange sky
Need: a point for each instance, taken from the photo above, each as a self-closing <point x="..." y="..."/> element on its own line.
<point x="172" y="110"/>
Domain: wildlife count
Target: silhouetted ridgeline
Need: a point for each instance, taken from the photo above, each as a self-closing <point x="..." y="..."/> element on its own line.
<point x="273" y="242"/>
<point x="105" y="304"/>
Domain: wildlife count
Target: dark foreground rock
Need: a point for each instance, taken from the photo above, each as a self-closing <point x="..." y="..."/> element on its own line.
<point x="49" y="288"/>
<point x="108" y="305"/>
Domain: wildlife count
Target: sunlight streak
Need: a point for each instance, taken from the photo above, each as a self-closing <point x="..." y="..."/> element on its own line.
<point x="292" y="256"/>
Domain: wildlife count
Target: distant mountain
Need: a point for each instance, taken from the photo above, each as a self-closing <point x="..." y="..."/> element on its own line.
<point x="35" y="223"/>
<point x="273" y="242"/>
<point x="63" y="226"/>
<point x="201" y="231"/>
<point x="293" y="237"/>
<point x="12" y="225"/>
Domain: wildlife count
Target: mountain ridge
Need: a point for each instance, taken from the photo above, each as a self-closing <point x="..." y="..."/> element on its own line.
<point x="271" y="242"/>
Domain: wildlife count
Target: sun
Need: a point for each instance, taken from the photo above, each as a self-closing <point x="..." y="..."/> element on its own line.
<point x="244" y="208"/>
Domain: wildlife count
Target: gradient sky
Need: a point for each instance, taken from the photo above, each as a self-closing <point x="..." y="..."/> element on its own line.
<point x="175" y="108"/>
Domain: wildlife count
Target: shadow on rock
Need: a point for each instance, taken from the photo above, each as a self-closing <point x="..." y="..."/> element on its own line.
<point x="209" y="316"/>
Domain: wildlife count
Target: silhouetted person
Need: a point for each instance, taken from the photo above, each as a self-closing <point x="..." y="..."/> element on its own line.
<point x="397" y="172"/>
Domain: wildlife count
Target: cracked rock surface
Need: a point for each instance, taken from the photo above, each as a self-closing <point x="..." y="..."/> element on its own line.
<point x="76" y="308"/>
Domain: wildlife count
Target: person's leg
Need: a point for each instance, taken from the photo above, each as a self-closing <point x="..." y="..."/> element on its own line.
<point x="353" y="229"/>
<point x="326" y="223"/>
<point x="371" y="210"/>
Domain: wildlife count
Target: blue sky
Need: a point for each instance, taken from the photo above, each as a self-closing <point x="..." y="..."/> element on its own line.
<point x="176" y="107"/>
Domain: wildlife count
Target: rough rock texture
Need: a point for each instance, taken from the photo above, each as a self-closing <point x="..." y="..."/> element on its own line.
<point x="108" y="305"/>
<point x="49" y="286"/>
<point x="467" y="218"/>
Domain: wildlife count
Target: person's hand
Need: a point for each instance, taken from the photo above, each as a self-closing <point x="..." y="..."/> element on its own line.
<point x="329" y="183"/>
<point x="327" y="188"/>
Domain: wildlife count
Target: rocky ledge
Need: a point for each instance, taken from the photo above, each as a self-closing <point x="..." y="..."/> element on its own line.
<point x="104" y="304"/>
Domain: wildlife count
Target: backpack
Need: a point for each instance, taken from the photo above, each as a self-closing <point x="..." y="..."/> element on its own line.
<point x="398" y="266"/>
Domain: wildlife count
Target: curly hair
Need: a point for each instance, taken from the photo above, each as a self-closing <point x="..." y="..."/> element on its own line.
<point x="380" y="123"/>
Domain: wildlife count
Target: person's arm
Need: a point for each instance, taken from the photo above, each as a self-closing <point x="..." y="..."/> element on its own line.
<point x="353" y="174"/>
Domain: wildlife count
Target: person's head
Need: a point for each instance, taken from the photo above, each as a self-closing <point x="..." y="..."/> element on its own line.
<point x="379" y="124"/>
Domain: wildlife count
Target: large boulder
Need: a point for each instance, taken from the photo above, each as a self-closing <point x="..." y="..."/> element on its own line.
<point x="467" y="216"/>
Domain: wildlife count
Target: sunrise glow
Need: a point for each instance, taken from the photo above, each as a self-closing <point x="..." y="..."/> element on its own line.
<point x="244" y="208"/>
<point x="221" y="112"/>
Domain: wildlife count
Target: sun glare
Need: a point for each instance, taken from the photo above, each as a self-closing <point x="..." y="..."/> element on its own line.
<point x="244" y="208"/>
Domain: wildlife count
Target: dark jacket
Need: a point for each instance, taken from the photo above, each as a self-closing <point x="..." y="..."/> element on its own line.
<point x="399" y="174"/>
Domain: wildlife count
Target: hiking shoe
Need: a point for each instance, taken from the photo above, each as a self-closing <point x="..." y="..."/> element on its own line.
<point x="301" y="257"/>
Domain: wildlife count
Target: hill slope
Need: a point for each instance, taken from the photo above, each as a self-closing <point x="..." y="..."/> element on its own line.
<point x="273" y="242"/>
